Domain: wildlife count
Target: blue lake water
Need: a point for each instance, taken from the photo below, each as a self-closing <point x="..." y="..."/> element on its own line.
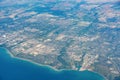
<point x="17" y="69"/>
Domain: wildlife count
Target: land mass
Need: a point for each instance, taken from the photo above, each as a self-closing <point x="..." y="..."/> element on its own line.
<point x="75" y="35"/>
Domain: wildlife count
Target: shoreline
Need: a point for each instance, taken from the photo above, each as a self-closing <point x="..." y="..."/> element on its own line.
<point x="50" y="67"/>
